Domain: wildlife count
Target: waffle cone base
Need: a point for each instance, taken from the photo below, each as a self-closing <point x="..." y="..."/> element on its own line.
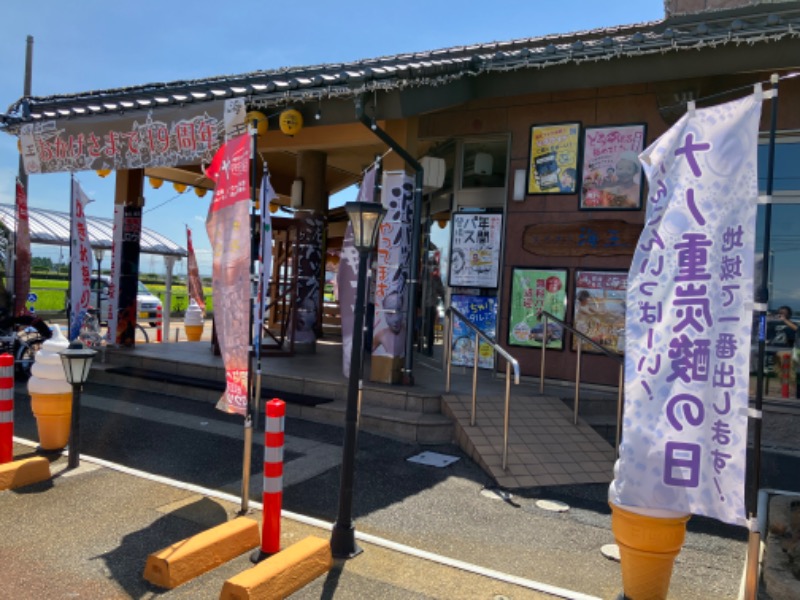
<point x="647" y="547"/>
<point x="53" y="414"/>
<point x="193" y="332"/>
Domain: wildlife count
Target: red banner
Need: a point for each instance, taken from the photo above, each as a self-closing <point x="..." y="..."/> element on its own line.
<point x="81" y="261"/>
<point x="22" y="265"/>
<point x="194" y="283"/>
<point x="228" y="226"/>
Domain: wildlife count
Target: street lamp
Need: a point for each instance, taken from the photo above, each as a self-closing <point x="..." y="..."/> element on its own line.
<point x="98" y="255"/>
<point x="365" y="218"/>
<point x="76" y="361"/>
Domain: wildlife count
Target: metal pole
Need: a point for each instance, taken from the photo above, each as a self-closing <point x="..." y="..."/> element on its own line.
<point x="507" y="415"/>
<point x="544" y="347"/>
<point x="343" y="536"/>
<point x="448" y="340"/>
<point x="577" y="383"/>
<point x="73" y="456"/>
<point x="248" y="419"/>
<point x="762" y="303"/>
<point x="474" y="380"/>
<point x="620" y="397"/>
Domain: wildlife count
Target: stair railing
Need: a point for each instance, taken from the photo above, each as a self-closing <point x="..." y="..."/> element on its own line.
<point x="511" y="362"/>
<point x="546" y="316"/>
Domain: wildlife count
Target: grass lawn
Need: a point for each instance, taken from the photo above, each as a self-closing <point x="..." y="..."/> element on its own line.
<point x="51" y="295"/>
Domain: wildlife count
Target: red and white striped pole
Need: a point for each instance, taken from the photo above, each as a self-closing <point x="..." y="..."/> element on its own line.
<point x="785" y="365"/>
<point x="6" y="408"/>
<point x="159" y="324"/>
<point x="273" y="481"/>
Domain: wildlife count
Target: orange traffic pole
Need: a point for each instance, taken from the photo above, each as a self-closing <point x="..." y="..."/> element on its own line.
<point x="6" y="408"/>
<point x="273" y="481"/>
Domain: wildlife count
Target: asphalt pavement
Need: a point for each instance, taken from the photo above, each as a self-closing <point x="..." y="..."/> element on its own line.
<point x="156" y="469"/>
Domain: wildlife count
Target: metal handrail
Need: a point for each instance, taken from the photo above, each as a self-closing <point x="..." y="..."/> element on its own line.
<point x="583" y="338"/>
<point x="510" y="362"/>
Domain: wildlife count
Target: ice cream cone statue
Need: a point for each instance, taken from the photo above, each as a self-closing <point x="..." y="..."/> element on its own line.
<point x="193" y="322"/>
<point x="51" y="395"/>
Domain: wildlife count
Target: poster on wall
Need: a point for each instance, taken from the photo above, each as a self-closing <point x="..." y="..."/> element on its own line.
<point x="553" y="167"/>
<point x="612" y="176"/>
<point x="481" y="312"/>
<point x="475" y="250"/>
<point x="534" y="291"/>
<point x="599" y="309"/>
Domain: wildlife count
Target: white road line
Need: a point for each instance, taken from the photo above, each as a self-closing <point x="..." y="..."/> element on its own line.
<point x="364" y="537"/>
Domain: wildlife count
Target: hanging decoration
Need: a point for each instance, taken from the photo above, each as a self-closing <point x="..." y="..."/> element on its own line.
<point x="273" y="208"/>
<point x="179" y="187"/>
<point x="104" y="172"/>
<point x="291" y="121"/>
<point x="200" y="192"/>
<point x="260" y="118"/>
<point x="156" y="182"/>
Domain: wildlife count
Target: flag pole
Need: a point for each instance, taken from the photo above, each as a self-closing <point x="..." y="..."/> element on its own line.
<point x="248" y="419"/>
<point x="761" y="304"/>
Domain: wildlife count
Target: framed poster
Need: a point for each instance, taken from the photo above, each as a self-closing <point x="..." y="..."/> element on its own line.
<point x="611" y="178"/>
<point x="599" y="309"/>
<point x="553" y="166"/>
<point x="475" y="246"/>
<point x="532" y="291"/>
<point x="481" y="312"/>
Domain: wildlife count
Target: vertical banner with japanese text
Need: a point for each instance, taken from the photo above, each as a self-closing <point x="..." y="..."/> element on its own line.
<point x="267" y="195"/>
<point x="394" y="251"/>
<point x="228" y="226"/>
<point x="22" y="263"/>
<point x="347" y="274"/>
<point x="113" y="288"/>
<point x="81" y="261"/>
<point x="688" y="324"/>
<point x="193" y="283"/>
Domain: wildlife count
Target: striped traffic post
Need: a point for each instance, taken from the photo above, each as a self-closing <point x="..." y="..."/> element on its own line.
<point x="6" y="408"/>
<point x="159" y="324"/>
<point x="273" y="481"/>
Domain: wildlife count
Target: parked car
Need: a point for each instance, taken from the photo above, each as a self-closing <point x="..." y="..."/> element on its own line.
<point x="147" y="304"/>
<point x="776" y="340"/>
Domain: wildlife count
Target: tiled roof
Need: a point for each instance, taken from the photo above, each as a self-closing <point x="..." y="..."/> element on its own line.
<point x="759" y="24"/>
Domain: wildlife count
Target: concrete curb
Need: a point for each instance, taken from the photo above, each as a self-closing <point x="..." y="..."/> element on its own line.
<point x="24" y="472"/>
<point x="281" y="575"/>
<point x="185" y="560"/>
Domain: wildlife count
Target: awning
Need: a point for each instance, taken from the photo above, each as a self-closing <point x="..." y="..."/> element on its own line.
<point x="52" y="227"/>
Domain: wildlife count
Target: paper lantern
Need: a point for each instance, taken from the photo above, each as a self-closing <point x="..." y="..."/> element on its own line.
<point x="156" y="182"/>
<point x="179" y="187"/>
<point x="104" y="172"/>
<point x="273" y="208"/>
<point x="200" y="192"/>
<point x="442" y="223"/>
<point x="291" y="121"/>
<point x="261" y="121"/>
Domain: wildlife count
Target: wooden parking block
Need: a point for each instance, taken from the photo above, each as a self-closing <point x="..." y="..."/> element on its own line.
<point x="23" y="472"/>
<point x="185" y="560"/>
<point x="282" y="574"/>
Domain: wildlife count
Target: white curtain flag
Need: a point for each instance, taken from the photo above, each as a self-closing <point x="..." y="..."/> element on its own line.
<point x="688" y="324"/>
<point x="81" y="259"/>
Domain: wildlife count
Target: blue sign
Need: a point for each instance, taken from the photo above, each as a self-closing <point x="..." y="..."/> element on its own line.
<point x="32" y="297"/>
<point x="481" y="312"/>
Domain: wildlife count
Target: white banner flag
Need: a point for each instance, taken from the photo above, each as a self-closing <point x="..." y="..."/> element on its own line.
<point x="81" y="261"/>
<point x="688" y="324"/>
<point x="267" y="195"/>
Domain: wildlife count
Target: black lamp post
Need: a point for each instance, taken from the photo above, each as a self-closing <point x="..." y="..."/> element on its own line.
<point x="98" y="254"/>
<point x="365" y="217"/>
<point x="76" y="361"/>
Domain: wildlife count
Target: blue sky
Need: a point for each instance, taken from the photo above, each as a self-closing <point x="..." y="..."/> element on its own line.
<point x="89" y="45"/>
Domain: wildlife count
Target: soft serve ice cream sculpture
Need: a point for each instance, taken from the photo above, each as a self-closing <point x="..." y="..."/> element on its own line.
<point x="193" y="322"/>
<point x="51" y="395"/>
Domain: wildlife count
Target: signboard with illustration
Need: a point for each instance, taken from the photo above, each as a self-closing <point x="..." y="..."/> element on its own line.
<point x="553" y="167"/>
<point x="476" y="250"/>
<point x="534" y="291"/>
<point x="599" y="309"/>
<point x="481" y="312"/>
<point x="612" y="176"/>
